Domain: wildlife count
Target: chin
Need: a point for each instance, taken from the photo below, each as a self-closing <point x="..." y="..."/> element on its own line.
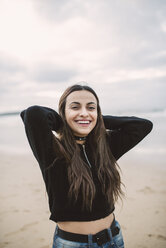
<point x="81" y="133"/>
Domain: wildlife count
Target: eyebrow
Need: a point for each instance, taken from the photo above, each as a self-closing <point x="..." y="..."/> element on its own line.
<point x="79" y="103"/>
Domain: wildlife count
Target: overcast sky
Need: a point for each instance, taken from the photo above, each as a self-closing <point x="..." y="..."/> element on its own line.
<point x="117" y="47"/>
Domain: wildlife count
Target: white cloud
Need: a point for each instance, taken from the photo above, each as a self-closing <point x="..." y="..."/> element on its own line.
<point x="48" y="45"/>
<point x="163" y="27"/>
<point x="49" y="93"/>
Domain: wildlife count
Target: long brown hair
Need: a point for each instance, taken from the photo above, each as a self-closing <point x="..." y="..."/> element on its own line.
<point x="79" y="174"/>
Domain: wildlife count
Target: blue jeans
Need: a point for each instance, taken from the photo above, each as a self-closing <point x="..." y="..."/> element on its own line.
<point x="115" y="242"/>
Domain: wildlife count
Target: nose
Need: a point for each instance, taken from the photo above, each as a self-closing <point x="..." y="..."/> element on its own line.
<point x="83" y="112"/>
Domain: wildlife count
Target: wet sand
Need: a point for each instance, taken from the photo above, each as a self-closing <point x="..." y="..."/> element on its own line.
<point x="24" y="213"/>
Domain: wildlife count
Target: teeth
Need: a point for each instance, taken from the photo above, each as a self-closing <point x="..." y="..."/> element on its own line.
<point x="84" y="122"/>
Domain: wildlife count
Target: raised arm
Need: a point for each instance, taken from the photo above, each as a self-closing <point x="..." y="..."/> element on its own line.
<point x="39" y="122"/>
<point x="125" y="132"/>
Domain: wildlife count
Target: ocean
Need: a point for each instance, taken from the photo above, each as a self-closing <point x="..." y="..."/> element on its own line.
<point x="152" y="149"/>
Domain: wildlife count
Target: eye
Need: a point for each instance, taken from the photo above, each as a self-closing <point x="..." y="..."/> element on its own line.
<point x="74" y="107"/>
<point x="91" y="108"/>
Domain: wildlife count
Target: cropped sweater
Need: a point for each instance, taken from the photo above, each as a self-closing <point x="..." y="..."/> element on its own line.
<point x="124" y="134"/>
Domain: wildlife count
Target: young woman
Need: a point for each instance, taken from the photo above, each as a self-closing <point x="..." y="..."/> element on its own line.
<point x="79" y="165"/>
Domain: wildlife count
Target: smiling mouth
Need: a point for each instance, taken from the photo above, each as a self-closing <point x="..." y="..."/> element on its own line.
<point x="83" y="122"/>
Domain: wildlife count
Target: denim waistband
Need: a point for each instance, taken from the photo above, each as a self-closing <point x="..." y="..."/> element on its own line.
<point x="100" y="238"/>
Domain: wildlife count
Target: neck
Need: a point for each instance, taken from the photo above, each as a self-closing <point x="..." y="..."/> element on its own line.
<point x="80" y="140"/>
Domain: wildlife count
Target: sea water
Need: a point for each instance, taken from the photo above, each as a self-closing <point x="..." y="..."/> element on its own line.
<point x="152" y="149"/>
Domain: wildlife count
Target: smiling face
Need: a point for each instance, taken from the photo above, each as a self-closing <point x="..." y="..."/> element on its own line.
<point x="81" y="112"/>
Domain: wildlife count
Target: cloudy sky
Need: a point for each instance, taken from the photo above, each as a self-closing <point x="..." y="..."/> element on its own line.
<point x="117" y="47"/>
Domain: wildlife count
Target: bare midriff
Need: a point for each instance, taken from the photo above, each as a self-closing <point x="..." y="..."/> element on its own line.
<point x="86" y="227"/>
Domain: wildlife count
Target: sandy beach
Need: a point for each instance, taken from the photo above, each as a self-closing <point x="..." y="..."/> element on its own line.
<point x="24" y="214"/>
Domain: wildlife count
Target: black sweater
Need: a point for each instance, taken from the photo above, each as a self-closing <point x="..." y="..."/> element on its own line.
<point x="39" y="122"/>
